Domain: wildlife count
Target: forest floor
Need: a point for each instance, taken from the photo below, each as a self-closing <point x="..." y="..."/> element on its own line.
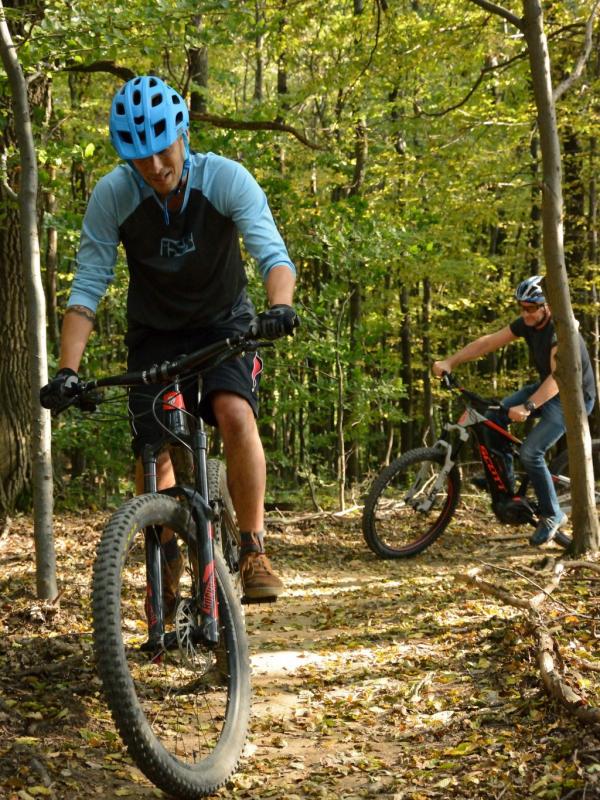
<point x="372" y="678"/>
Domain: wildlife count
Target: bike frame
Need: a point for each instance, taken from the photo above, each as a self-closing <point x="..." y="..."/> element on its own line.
<point x="168" y="374"/>
<point x="197" y="497"/>
<point x="454" y="437"/>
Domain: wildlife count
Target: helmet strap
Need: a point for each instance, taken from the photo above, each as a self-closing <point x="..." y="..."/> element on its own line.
<point x="182" y="180"/>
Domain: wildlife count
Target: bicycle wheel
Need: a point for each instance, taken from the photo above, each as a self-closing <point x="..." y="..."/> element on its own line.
<point x="183" y="714"/>
<point x="405" y="510"/>
<point x="226" y="529"/>
<point x="560" y="466"/>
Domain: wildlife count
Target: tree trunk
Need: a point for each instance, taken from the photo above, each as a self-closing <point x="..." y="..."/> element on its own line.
<point x="568" y="373"/>
<point x="198" y="70"/>
<point x="36" y="328"/>
<point x="427" y="361"/>
<point x="259" y="56"/>
<point x="406" y="427"/>
<point x="52" y="267"/>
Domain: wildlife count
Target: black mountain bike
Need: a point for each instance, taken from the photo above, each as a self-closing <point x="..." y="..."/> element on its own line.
<point x="179" y="692"/>
<point x="412" y="501"/>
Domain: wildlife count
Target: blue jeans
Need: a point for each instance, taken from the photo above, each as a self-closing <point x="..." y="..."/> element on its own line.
<point x="547" y="432"/>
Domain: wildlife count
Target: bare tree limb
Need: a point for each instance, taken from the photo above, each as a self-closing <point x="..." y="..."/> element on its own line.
<point x="473" y="577"/>
<point x="473" y="89"/>
<point x="219" y="122"/>
<point x="103" y="66"/>
<point x="568" y="82"/>
<point x="547" y="649"/>
<point x="500" y="11"/>
<point x="253" y="125"/>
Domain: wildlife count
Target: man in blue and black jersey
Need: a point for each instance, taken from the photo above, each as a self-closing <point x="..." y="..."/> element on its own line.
<point x="540" y="399"/>
<point x="179" y="216"/>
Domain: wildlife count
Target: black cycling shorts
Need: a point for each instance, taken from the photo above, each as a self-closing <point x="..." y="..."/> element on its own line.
<point x="240" y="375"/>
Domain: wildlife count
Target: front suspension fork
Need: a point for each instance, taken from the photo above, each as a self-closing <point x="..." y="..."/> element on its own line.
<point x="207" y="631"/>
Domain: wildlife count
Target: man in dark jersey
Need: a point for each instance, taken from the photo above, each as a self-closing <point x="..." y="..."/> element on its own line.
<point x="179" y="216"/>
<point x="539" y="399"/>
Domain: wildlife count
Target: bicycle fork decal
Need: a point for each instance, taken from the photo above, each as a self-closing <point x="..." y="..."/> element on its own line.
<point x="491" y="468"/>
<point x="210" y="607"/>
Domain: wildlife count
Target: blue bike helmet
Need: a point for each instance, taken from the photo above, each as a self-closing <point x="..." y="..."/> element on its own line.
<point x="531" y="290"/>
<point x="146" y="116"/>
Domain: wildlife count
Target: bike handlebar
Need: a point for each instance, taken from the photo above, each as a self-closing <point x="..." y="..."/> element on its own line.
<point x="198" y="361"/>
<point x="451" y="383"/>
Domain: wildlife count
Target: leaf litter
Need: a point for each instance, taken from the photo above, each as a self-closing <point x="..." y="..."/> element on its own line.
<point x="371" y="678"/>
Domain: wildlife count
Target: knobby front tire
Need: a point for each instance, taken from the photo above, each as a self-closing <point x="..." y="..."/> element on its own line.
<point x="393" y="524"/>
<point x="184" y="715"/>
<point x="560" y="466"/>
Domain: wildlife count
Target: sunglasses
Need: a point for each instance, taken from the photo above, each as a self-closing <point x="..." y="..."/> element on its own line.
<point x="530" y="309"/>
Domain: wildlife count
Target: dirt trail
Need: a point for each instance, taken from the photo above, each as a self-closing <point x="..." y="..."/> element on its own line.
<point x="371" y="678"/>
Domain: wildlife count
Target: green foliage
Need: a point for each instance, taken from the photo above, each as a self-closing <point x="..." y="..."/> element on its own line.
<point x="447" y="192"/>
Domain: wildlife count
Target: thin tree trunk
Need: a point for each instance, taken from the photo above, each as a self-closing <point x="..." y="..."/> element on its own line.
<point x="427" y="361"/>
<point x="38" y="366"/>
<point x="568" y="373"/>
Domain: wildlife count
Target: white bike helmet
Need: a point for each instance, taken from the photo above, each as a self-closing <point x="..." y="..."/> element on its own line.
<point x="531" y="290"/>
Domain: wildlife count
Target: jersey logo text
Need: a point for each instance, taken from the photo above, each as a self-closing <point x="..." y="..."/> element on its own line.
<point x="171" y="248"/>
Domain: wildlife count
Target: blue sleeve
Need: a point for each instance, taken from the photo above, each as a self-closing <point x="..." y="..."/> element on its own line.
<point x="99" y="243"/>
<point x="236" y="194"/>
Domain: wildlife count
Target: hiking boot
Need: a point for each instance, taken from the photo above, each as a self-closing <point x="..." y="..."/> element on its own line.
<point x="172" y="572"/>
<point x="547" y="528"/>
<point x="258" y="579"/>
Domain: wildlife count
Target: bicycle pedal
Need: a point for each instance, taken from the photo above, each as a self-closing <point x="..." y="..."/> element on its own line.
<point x="247" y="601"/>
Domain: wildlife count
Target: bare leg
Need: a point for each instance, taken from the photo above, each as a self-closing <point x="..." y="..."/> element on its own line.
<point x="246" y="471"/>
<point x="246" y="467"/>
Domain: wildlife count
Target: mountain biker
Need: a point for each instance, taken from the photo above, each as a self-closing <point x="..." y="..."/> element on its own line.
<point x="179" y="215"/>
<point x="540" y="399"/>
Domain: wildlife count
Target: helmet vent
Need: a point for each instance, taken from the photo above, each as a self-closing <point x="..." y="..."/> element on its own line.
<point x="139" y="120"/>
<point x="137" y="97"/>
<point x="160" y="127"/>
<point x="179" y="118"/>
<point x="156" y="100"/>
<point x="125" y="136"/>
<point x="120" y="109"/>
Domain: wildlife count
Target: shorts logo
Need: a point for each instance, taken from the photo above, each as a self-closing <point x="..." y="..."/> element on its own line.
<point x="171" y="248"/>
<point x="257" y="368"/>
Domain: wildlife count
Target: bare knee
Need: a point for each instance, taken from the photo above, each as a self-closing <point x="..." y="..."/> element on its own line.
<point x="233" y="414"/>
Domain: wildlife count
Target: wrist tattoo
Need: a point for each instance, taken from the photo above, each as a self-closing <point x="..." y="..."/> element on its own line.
<point x="82" y="311"/>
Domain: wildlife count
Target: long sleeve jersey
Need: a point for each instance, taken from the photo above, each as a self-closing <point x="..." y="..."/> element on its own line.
<point x="186" y="272"/>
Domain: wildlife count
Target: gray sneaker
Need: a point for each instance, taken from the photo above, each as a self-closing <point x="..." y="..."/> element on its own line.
<point x="547" y="528"/>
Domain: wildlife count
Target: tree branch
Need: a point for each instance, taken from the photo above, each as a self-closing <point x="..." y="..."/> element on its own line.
<point x="253" y="125"/>
<point x="547" y="649"/>
<point x="565" y="85"/>
<point x="472" y="90"/>
<point x="219" y="122"/>
<point x="500" y="12"/>
<point x="103" y="66"/>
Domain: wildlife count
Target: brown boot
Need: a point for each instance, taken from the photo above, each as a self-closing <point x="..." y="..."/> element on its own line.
<point x="258" y="579"/>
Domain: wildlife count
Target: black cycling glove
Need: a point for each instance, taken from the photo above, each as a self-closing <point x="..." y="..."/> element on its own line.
<point x="279" y="320"/>
<point x="54" y="395"/>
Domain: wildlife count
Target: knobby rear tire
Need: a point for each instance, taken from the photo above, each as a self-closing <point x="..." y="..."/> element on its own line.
<point x="156" y="712"/>
<point x="226" y="530"/>
<point x="392" y="527"/>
